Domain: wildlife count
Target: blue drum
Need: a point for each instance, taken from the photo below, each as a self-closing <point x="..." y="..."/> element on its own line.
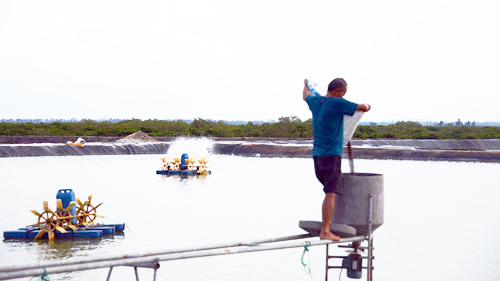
<point x="184" y="163"/>
<point x="67" y="196"/>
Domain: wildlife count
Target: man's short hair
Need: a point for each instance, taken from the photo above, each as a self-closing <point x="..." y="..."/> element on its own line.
<point x="337" y="83"/>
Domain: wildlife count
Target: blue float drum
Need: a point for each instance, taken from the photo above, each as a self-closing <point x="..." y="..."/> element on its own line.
<point x="67" y="196"/>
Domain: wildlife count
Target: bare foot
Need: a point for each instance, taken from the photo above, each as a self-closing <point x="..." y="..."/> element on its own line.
<point x="328" y="235"/>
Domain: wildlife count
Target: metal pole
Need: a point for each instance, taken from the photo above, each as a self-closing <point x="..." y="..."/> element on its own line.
<point x="327" y="258"/>
<point x="136" y="274"/>
<point x="370" y="220"/>
<point x="258" y="248"/>
<point x="109" y="273"/>
<point x="166" y="257"/>
<point x="147" y="254"/>
<point x="71" y="268"/>
<point x="349" y="155"/>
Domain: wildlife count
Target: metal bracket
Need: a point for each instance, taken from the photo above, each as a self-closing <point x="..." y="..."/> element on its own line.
<point x="357" y="246"/>
<point x="154" y="264"/>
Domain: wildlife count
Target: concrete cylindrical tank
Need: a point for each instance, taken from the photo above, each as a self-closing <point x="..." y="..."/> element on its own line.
<point x="351" y="207"/>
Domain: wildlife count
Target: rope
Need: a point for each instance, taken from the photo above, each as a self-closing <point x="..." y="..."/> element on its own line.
<point x="44" y="277"/>
<point x="307" y="266"/>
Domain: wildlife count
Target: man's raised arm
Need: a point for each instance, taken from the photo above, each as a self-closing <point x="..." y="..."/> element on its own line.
<point x="307" y="91"/>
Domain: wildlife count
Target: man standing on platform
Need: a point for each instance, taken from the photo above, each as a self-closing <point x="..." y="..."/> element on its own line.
<point x="328" y="129"/>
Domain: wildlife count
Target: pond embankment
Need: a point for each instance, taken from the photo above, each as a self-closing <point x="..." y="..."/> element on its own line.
<point x="487" y="150"/>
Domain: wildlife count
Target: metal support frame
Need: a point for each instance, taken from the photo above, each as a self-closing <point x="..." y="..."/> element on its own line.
<point x="150" y="258"/>
<point x="356" y="246"/>
<point x="154" y="264"/>
<point x="370" y="238"/>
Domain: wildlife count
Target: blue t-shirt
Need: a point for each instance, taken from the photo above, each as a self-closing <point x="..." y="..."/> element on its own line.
<point x="328" y="123"/>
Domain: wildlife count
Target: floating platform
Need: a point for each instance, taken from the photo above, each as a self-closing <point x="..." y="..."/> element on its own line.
<point x="184" y="166"/>
<point x="181" y="172"/>
<point x="96" y="231"/>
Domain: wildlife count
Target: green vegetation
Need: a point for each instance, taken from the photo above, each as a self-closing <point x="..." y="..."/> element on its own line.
<point x="414" y="130"/>
<point x="286" y="127"/>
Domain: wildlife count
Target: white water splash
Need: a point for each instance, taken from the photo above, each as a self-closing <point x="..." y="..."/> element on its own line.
<point x="195" y="147"/>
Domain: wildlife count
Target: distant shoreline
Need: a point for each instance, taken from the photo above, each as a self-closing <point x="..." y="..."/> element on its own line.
<point x="63" y="139"/>
<point x="486" y="151"/>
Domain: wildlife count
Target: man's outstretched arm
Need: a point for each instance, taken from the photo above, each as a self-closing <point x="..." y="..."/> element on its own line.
<point x="363" y="107"/>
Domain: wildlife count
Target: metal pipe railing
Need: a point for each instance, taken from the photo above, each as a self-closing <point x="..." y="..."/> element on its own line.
<point x="20" y="271"/>
<point x="146" y="254"/>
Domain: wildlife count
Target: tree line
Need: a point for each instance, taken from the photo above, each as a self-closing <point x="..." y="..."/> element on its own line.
<point x="286" y="127"/>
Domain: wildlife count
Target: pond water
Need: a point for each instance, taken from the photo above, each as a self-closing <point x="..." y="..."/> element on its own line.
<point x="442" y="219"/>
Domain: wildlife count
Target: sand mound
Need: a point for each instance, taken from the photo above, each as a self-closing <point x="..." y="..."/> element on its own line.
<point x="139" y="136"/>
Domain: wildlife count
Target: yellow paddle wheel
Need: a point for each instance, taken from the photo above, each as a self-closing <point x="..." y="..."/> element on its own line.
<point x="86" y="213"/>
<point x="63" y="220"/>
<point x="202" y="169"/>
<point x="64" y="214"/>
<point x="48" y="222"/>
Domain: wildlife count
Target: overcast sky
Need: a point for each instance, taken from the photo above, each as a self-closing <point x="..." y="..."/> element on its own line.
<point x="246" y="60"/>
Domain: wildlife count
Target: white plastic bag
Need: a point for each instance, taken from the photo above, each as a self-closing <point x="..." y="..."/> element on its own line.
<point x="350" y="125"/>
<point x="315" y="87"/>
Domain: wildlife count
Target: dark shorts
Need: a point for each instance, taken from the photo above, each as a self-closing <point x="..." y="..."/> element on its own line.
<point x="328" y="172"/>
